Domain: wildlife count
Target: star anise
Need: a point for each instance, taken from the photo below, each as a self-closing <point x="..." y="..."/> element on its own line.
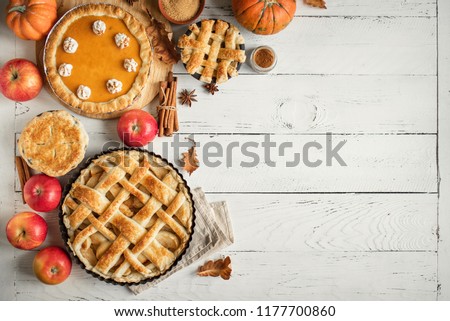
<point x="130" y="2"/>
<point x="186" y="97"/>
<point x="212" y="88"/>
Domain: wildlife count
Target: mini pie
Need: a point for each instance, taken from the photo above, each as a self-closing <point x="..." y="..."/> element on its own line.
<point x="53" y="142"/>
<point x="129" y="216"/>
<point x="212" y="50"/>
<point x="87" y="49"/>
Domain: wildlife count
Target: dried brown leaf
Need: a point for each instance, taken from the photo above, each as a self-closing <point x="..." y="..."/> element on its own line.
<point x="316" y="3"/>
<point x="190" y="159"/>
<point x="160" y="38"/>
<point x="216" y="268"/>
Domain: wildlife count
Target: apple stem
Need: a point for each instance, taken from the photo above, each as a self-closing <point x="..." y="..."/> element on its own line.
<point x="54" y="270"/>
<point x="15" y="75"/>
<point x="135" y="127"/>
<point x="21" y="235"/>
<point x="20" y="9"/>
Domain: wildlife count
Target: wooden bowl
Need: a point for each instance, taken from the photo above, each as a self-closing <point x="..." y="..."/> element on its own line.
<point x="164" y="13"/>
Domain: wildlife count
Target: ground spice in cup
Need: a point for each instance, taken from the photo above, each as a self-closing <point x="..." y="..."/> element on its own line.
<point x="264" y="58"/>
<point x="181" y="10"/>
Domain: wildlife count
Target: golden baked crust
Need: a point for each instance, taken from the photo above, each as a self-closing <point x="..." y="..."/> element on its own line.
<point x="212" y="51"/>
<point x="128" y="216"/>
<point x="119" y="104"/>
<point x="53" y="142"/>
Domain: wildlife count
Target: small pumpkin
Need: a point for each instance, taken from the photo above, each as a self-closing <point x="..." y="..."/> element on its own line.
<point x="264" y="17"/>
<point x="31" y="19"/>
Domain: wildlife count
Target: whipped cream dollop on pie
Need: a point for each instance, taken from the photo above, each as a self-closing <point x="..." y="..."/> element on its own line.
<point x="65" y="70"/>
<point x="70" y="45"/>
<point x="122" y="40"/>
<point x="83" y="92"/>
<point x="99" y="27"/>
<point x="114" y="86"/>
<point x="130" y="65"/>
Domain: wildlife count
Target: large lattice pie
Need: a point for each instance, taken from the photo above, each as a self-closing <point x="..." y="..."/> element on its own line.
<point x="129" y="216"/>
<point x="97" y="60"/>
<point x="213" y="50"/>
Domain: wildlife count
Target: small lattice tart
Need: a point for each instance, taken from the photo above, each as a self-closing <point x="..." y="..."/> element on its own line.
<point x="54" y="143"/>
<point x="212" y="50"/>
<point x="129" y="216"/>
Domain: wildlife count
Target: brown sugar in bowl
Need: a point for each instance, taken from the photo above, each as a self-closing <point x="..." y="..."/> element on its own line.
<point x="174" y="19"/>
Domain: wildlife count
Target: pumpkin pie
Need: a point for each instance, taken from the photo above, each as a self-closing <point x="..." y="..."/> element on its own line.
<point x="97" y="60"/>
<point x="128" y="217"/>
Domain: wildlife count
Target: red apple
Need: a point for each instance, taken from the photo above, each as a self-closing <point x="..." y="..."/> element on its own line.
<point x="42" y="193"/>
<point x="52" y="265"/>
<point x="26" y="230"/>
<point x="137" y="128"/>
<point x="20" y="80"/>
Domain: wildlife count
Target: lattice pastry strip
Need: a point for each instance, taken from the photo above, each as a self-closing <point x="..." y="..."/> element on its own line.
<point x="164" y="219"/>
<point x="129" y="230"/>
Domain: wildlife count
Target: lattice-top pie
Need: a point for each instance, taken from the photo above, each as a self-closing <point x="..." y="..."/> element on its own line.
<point x="97" y="59"/>
<point x="53" y="142"/>
<point x="129" y="216"/>
<point x="212" y="49"/>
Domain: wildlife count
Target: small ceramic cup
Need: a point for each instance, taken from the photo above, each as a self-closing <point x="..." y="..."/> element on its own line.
<point x="164" y="13"/>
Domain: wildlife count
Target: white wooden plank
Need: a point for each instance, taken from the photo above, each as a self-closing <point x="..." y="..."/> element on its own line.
<point x="338" y="45"/>
<point x="360" y="45"/>
<point x="402" y="223"/>
<point x="444" y="153"/>
<point x="278" y="276"/>
<point x="408" y="8"/>
<point x="293" y="104"/>
<point x="348" y="222"/>
<point x="287" y="223"/>
<point x="375" y="163"/>
<point x="6" y="169"/>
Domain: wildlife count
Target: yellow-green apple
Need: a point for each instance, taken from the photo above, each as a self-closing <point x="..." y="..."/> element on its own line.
<point x="137" y="128"/>
<point x="20" y="80"/>
<point x="52" y="265"/>
<point x="26" y="230"/>
<point x="42" y="193"/>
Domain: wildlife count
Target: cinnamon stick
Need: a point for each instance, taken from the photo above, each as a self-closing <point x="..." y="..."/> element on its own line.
<point x="162" y="111"/>
<point x="26" y="169"/>
<point x="162" y="89"/>
<point x="23" y="171"/>
<point x="176" y="126"/>
<point x="173" y="103"/>
<point x="168" y="118"/>
<point x="166" y="114"/>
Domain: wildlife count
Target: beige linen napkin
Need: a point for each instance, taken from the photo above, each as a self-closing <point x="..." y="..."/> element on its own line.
<point x="212" y="232"/>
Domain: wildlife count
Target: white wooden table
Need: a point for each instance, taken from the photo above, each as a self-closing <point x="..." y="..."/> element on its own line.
<point x="374" y="73"/>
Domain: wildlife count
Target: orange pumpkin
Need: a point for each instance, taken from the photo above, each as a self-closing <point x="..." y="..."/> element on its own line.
<point x="264" y="17"/>
<point x="31" y="19"/>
